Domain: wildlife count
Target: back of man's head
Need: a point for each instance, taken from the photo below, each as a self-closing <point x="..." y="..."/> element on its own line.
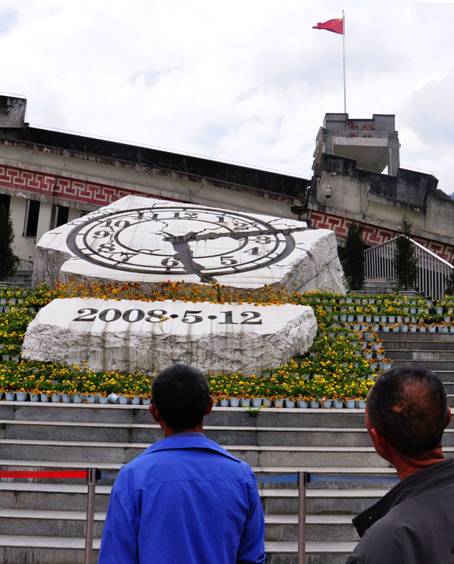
<point x="408" y="407"/>
<point x="181" y="395"/>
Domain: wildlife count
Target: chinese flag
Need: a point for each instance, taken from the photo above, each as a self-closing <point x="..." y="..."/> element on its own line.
<point x="336" y="26"/>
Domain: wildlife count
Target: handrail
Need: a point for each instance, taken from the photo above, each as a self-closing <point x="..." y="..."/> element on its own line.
<point x="298" y="478"/>
<point x="432" y="270"/>
<point x="89" y="474"/>
<point x="416" y="243"/>
<point x="431" y="253"/>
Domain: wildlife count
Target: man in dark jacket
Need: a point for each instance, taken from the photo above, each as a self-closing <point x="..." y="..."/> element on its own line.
<point x="413" y="523"/>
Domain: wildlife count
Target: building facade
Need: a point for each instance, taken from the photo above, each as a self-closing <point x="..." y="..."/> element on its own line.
<point x="48" y="178"/>
<point x="350" y="186"/>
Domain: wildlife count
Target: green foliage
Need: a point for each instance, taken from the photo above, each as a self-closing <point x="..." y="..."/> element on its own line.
<point x="354" y="261"/>
<point x="8" y="260"/>
<point x="450" y="284"/>
<point x="405" y="257"/>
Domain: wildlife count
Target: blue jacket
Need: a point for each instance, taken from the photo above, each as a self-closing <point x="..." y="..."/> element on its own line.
<point x="184" y="500"/>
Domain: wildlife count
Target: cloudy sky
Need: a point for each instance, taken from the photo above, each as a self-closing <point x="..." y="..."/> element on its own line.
<point x="245" y="81"/>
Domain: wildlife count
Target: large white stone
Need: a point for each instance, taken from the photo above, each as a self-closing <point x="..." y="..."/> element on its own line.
<point x="130" y="335"/>
<point x="148" y="241"/>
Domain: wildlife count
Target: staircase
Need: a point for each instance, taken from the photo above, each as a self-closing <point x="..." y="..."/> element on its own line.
<point x="379" y="285"/>
<point x="43" y="521"/>
<point x="20" y="279"/>
<point x="423" y="350"/>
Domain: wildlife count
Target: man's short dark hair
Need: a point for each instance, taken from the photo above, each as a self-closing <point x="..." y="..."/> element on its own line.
<point x="181" y="396"/>
<point x="409" y="408"/>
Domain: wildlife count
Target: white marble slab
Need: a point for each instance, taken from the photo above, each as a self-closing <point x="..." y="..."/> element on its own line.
<point x="130" y="335"/>
<point x="148" y="240"/>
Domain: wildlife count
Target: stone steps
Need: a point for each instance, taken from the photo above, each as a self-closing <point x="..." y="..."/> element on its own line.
<point x="20" y="279"/>
<point x="422" y="355"/>
<point x="424" y="350"/>
<point x="44" y="436"/>
<point x="23" y="495"/>
<point x="146" y="434"/>
<point x="115" y="434"/>
<point x="71" y="523"/>
<point x="129" y="414"/>
<point x="414" y="346"/>
<point x="121" y="453"/>
<point x="21" y="549"/>
<point x="379" y="285"/>
<point x="417" y="337"/>
<point x="435" y="365"/>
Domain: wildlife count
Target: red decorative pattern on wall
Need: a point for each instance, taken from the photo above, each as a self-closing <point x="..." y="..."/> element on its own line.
<point x="62" y="187"/>
<point x="374" y="235"/>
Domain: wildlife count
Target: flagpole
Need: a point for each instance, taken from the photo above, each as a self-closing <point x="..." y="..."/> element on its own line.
<point x="343" y="62"/>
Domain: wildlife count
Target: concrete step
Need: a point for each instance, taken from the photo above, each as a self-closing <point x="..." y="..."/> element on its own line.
<point x="321" y="501"/>
<point x="316" y="552"/>
<point x="26" y="549"/>
<point x="411" y="345"/>
<point x="128" y="414"/>
<point x="331" y="470"/>
<point x="50" y="496"/>
<point x="88" y="433"/>
<point x="147" y="434"/>
<point x="61" y="497"/>
<point x="424" y="355"/>
<point x="48" y="523"/>
<point x="445" y="375"/>
<point x="434" y="365"/>
<point x="22" y="549"/>
<point x="20" y="279"/>
<point x="417" y="337"/>
<point x="71" y="523"/>
<point x="379" y="285"/>
<point x="336" y="528"/>
<point x="121" y="453"/>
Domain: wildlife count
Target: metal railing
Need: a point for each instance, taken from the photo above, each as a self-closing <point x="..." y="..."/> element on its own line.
<point x="301" y="479"/>
<point x="90" y="475"/>
<point x="432" y="272"/>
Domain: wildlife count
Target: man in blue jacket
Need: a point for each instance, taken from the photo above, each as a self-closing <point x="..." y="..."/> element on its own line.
<point x="185" y="500"/>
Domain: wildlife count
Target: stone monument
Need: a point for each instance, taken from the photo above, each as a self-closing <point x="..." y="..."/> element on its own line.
<point x="148" y="241"/>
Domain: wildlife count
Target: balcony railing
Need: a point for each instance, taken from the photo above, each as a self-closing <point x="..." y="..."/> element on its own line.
<point x="432" y="271"/>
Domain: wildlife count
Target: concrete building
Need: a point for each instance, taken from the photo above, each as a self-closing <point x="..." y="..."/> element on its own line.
<point x="349" y="185"/>
<point x="49" y="177"/>
<point x="372" y="143"/>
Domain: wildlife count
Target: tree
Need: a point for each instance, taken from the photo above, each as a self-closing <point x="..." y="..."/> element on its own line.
<point x="405" y="257"/>
<point x="8" y="260"/>
<point x="354" y="260"/>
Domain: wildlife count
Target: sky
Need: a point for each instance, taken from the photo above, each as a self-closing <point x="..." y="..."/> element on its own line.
<point x="243" y="81"/>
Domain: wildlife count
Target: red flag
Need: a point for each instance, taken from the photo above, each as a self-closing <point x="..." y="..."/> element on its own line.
<point x="336" y="26"/>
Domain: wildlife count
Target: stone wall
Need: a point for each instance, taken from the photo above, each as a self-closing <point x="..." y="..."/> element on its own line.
<point x="379" y="201"/>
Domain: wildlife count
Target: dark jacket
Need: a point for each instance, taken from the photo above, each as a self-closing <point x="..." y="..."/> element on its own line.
<point x="413" y="523"/>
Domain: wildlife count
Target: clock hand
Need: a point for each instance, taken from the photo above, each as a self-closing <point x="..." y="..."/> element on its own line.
<point x="191" y="236"/>
<point x="201" y="236"/>
<point x="183" y="253"/>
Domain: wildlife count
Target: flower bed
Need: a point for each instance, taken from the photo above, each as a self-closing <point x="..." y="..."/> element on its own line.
<point x="338" y="370"/>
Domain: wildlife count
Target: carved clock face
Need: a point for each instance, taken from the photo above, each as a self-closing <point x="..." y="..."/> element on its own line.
<point x="178" y="240"/>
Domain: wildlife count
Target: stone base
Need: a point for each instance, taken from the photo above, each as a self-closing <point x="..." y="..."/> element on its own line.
<point x="131" y="335"/>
